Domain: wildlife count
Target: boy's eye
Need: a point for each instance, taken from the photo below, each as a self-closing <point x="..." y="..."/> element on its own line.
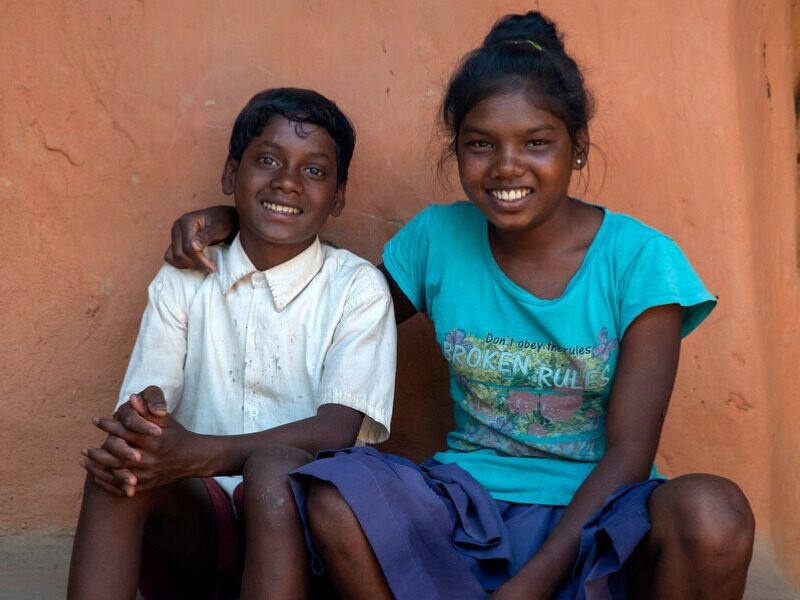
<point x="267" y="161"/>
<point x="315" y="171"/>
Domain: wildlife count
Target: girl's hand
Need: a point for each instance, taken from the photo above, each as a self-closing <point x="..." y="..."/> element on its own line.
<point x="195" y="231"/>
<point x="534" y="582"/>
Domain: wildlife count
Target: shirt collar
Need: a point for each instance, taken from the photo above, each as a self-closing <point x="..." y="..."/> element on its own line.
<point x="285" y="281"/>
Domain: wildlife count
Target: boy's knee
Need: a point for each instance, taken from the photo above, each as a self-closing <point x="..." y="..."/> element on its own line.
<point x="267" y="494"/>
<point x="712" y="518"/>
<point x="273" y="463"/>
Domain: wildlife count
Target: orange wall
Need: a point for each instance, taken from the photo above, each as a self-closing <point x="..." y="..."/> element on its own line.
<point x="114" y="119"/>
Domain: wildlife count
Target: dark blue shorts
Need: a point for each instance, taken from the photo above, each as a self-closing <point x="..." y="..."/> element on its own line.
<point x="439" y="535"/>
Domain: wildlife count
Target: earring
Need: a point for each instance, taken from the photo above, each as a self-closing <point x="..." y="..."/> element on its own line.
<point x="579" y="161"/>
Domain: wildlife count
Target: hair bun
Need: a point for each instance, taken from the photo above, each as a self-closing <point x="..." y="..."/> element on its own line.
<point x="533" y="26"/>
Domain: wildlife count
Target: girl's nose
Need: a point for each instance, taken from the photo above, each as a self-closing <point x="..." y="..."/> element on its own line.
<point x="507" y="164"/>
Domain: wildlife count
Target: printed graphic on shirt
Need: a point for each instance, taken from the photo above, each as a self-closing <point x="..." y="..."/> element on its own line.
<point x="531" y="398"/>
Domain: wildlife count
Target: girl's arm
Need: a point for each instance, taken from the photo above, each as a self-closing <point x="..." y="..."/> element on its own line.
<point x="194" y="231"/>
<point x="648" y="361"/>
<point x="403" y="307"/>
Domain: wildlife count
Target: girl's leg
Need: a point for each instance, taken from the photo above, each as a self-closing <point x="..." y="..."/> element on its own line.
<point x="276" y="561"/>
<point x="700" y="543"/>
<point x="107" y="551"/>
<point x="349" y="558"/>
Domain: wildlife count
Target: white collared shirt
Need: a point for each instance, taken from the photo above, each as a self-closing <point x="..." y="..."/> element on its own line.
<point x="241" y="350"/>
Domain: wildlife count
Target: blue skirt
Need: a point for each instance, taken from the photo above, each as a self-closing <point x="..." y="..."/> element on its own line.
<point x="437" y="533"/>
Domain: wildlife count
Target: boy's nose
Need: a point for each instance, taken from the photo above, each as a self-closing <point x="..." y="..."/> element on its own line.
<point x="287" y="180"/>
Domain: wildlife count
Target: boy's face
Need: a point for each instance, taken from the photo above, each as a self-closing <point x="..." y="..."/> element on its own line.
<point x="284" y="188"/>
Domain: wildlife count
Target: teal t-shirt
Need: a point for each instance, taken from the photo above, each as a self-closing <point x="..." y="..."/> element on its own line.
<point x="530" y="378"/>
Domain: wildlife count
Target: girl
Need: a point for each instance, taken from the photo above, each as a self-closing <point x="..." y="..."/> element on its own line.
<point x="561" y="322"/>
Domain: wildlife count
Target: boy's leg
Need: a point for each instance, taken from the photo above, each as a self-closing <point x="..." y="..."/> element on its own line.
<point x="700" y="543"/>
<point x="106" y="554"/>
<point x="181" y="533"/>
<point x="276" y="560"/>
<point x="107" y="546"/>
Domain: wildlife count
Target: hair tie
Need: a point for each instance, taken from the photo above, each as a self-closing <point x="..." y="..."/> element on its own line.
<point x="534" y="45"/>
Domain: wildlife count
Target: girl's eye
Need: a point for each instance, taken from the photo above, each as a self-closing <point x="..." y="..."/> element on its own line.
<point x="479" y="145"/>
<point x="537" y="143"/>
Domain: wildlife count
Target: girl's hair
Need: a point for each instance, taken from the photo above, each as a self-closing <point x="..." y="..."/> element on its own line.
<point x="521" y="53"/>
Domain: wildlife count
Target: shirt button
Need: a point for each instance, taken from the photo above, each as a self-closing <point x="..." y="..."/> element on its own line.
<point x="254" y="412"/>
<point x="259" y="280"/>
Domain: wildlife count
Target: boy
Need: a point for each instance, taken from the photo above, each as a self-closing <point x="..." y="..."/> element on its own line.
<point x="287" y="348"/>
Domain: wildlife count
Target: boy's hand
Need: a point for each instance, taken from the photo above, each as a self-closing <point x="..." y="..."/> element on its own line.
<point x="155" y="460"/>
<point x="110" y="463"/>
<point x="195" y="231"/>
<point x="143" y="412"/>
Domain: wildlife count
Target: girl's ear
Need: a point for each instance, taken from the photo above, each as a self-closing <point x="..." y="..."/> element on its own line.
<point x="228" y="178"/>
<point x="338" y="200"/>
<point x="581" y="148"/>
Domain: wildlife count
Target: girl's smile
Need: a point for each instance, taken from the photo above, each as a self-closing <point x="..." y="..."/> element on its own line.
<point x="515" y="161"/>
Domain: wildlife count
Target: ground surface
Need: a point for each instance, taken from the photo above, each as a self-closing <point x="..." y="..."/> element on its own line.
<point x="34" y="567"/>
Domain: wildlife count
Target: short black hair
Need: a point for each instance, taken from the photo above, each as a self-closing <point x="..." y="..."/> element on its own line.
<point x="526" y="53"/>
<point x="299" y="106"/>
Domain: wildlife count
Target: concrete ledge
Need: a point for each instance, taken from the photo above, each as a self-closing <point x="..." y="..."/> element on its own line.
<point x="35" y="566"/>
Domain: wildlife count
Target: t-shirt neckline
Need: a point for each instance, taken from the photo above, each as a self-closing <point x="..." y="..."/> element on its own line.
<point x="521" y="293"/>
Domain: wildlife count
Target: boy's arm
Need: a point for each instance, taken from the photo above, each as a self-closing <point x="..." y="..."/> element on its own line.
<point x="178" y="453"/>
<point x="357" y="380"/>
<point x="157" y="359"/>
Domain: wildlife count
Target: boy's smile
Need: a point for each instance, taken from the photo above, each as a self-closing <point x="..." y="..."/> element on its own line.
<point x="284" y="188"/>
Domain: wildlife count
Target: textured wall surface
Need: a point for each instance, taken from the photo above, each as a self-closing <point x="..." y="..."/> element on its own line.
<point x="114" y="119"/>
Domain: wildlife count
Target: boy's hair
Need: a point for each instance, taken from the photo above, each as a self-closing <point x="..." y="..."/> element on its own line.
<point x="299" y="106"/>
<point x="521" y="53"/>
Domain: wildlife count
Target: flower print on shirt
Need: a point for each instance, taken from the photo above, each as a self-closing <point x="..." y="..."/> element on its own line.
<point x="530" y="398"/>
<point x="604" y="345"/>
<point x="522" y="402"/>
<point x="457" y="337"/>
<point x="560" y="408"/>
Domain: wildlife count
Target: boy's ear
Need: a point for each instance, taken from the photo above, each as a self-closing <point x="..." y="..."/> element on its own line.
<point x="228" y="178"/>
<point x="338" y="200"/>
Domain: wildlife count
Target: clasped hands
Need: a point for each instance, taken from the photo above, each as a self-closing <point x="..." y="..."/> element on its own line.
<point x="143" y="449"/>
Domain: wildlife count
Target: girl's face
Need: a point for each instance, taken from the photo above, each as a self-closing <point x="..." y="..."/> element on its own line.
<point x="514" y="161"/>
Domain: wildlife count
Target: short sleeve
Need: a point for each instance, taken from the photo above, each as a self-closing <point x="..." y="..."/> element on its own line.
<point x="160" y="349"/>
<point x="406" y="258"/>
<point x="660" y="274"/>
<point x="360" y="363"/>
